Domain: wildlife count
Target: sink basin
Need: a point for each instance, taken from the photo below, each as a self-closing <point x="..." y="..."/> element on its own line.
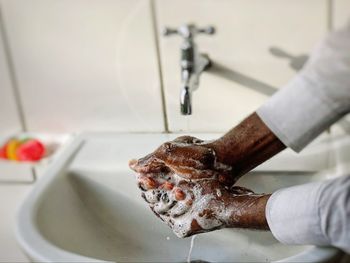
<point x="87" y="208"/>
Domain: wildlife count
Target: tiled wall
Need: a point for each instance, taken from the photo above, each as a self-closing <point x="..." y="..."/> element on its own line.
<point x="245" y="72"/>
<point x="95" y="65"/>
<point x="9" y="115"/>
<point x="85" y="65"/>
<point x="340" y="13"/>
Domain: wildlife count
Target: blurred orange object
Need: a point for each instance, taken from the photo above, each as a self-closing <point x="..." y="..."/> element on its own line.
<point x="10" y="148"/>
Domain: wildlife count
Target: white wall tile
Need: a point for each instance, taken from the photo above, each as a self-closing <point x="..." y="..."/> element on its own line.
<point x="341" y="16"/>
<point x="85" y="65"/>
<point x="245" y="32"/>
<point x="9" y="118"/>
<point x="341" y="13"/>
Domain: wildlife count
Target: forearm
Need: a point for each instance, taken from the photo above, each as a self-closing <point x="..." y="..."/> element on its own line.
<point x="247" y="212"/>
<point x="247" y="145"/>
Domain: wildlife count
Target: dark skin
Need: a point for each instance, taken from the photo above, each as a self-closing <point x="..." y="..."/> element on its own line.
<point x="189" y="183"/>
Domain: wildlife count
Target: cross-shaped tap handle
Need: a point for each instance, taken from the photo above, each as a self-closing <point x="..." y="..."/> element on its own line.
<point x="188" y="31"/>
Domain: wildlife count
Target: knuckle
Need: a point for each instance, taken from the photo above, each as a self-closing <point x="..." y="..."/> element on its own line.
<point x="166" y="147"/>
<point x="208" y="158"/>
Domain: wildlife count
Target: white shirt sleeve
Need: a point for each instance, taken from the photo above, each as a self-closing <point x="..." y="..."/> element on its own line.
<point x="316" y="98"/>
<point x="316" y="213"/>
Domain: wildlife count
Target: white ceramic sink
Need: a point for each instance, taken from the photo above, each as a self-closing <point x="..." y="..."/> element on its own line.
<point x="87" y="208"/>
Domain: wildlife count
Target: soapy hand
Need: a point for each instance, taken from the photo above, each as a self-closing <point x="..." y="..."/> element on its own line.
<point x="188" y="157"/>
<point x="193" y="206"/>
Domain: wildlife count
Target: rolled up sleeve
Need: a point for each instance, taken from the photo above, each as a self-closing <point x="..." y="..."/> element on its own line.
<point x="315" y="213"/>
<point x="317" y="97"/>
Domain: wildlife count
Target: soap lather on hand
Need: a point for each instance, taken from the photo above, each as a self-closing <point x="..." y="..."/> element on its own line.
<point x="187" y="188"/>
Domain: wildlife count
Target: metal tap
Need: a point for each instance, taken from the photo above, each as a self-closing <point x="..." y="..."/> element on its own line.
<point x="192" y="62"/>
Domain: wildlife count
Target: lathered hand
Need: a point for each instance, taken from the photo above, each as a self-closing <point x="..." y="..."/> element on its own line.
<point x="188" y="182"/>
<point x="188" y="157"/>
<point x="226" y="159"/>
<point x="194" y="206"/>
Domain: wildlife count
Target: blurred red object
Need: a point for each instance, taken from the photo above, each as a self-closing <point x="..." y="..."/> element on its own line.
<point x="23" y="150"/>
<point x="30" y="150"/>
<point x="3" y="153"/>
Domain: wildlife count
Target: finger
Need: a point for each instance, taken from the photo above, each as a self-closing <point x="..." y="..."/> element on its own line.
<point x="184" y="203"/>
<point x="147" y="183"/>
<point x="147" y="164"/>
<point x="166" y="202"/>
<point x="132" y="163"/>
<point x="186" y="229"/>
<point x="179" y="194"/>
<point x="179" y="209"/>
<point x="240" y="190"/>
<point x="152" y="208"/>
<point x="188" y="139"/>
<point x="141" y="187"/>
<point x="187" y="188"/>
<point x="151" y="197"/>
<point x="187" y="156"/>
<point x="162" y="208"/>
<point x="167" y="186"/>
<point x="190" y="173"/>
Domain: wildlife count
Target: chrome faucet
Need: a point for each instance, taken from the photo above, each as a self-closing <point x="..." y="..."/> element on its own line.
<point x="192" y="62"/>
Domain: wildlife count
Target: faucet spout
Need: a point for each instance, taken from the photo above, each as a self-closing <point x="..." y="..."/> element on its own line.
<point x="186" y="101"/>
<point x="192" y="63"/>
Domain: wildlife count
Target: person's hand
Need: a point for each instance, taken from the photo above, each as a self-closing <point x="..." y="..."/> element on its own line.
<point x="188" y="157"/>
<point x="188" y="182"/>
<point x="199" y="205"/>
<point x="225" y="159"/>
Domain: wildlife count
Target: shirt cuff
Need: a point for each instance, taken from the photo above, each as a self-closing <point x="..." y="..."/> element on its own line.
<point x="296" y="114"/>
<point x="293" y="215"/>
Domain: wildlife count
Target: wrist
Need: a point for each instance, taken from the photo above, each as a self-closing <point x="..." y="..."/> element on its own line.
<point x="246" y="211"/>
<point x="247" y="145"/>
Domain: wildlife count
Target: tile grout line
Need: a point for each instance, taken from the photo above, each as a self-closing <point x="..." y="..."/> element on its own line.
<point x="12" y="73"/>
<point x="160" y="72"/>
<point x="329" y="14"/>
<point x="330" y="6"/>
